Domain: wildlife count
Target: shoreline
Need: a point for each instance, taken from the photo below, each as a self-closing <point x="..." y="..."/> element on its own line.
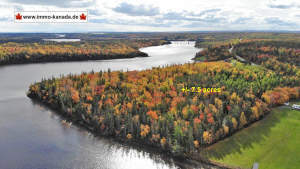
<point x="65" y="58"/>
<point x="193" y="157"/>
<point x="145" y="146"/>
<point x="103" y="57"/>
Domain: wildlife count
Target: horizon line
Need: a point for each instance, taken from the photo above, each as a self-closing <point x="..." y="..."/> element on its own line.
<point x="273" y="31"/>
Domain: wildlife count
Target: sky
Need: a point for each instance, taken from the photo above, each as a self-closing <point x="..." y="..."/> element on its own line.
<point x="158" y="15"/>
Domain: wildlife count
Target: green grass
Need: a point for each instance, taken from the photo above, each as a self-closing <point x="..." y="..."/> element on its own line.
<point x="273" y="142"/>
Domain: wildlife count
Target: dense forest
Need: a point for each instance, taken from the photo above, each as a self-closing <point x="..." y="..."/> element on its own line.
<point x="262" y="52"/>
<point x="216" y="53"/>
<point x="176" y="108"/>
<point x="224" y="38"/>
<point x="14" y="53"/>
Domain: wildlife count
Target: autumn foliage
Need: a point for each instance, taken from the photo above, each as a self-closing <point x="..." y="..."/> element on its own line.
<point x="15" y="53"/>
<point x="149" y="106"/>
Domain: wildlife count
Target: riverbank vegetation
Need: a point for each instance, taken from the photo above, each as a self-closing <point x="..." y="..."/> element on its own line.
<point x="150" y="107"/>
<point x="15" y="53"/>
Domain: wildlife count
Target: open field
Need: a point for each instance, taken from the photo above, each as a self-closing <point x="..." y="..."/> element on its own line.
<point x="273" y="142"/>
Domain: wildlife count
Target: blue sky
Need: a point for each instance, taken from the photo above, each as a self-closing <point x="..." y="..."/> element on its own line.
<point x="159" y="15"/>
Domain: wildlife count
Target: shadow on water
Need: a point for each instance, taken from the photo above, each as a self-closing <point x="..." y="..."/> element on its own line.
<point x="125" y="149"/>
<point x="243" y="139"/>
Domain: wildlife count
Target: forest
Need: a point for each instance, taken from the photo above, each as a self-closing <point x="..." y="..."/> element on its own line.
<point x="150" y="107"/>
<point x="261" y="51"/>
<point x="284" y="53"/>
<point x="206" y="40"/>
<point x="34" y="52"/>
<point x="216" y="53"/>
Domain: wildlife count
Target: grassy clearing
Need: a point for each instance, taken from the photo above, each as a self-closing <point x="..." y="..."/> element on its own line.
<point x="273" y="142"/>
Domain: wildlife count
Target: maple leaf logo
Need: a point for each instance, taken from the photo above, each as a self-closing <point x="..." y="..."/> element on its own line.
<point x="18" y="17"/>
<point x="82" y="17"/>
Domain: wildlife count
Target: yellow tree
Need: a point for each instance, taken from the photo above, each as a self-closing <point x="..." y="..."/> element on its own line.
<point x="243" y="120"/>
<point x="234" y="123"/>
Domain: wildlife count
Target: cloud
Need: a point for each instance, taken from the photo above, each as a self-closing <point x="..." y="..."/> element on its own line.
<point x="204" y="16"/>
<point x="7" y="6"/>
<point x="277" y="21"/>
<point x="174" y="16"/>
<point x="138" y="10"/>
<point x="213" y="19"/>
<point x="208" y="11"/>
<point x="158" y="15"/>
<point x="241" y="20"/>
<point x="58" y="3"/>
<point x="5" y="19"/>
<point x="168" y="19"/>
<point x="98" y="20"/>
<point x="95" y="12"/>
<point x="151" y="23"/>
<point x="280" y="6"/>
<point x="208" y="22"/>
<point x="286" y="4"/>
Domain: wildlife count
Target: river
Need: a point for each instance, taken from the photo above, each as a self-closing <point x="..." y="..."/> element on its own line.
<point x="33" y="137"/>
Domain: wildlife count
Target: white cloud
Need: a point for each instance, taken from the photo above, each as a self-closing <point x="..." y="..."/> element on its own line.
<point x="158" y="15"/>
<point x="283" y="4"/>
<point x="57" y="3"/>
<point x="136" y="10"/>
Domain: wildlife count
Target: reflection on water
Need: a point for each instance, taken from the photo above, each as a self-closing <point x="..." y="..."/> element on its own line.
<point x="33" y="136"/>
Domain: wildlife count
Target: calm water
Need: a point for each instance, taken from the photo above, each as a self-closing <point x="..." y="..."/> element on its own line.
<point x="33" y="137"/>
